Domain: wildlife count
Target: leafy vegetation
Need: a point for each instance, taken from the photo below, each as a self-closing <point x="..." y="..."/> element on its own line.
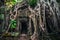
<point x="32" y="2"/>
<point x="11" y="3"/>
<point x="1" y="16"/>
<point x="1" y="13"/>
<point x="58" y="1"/>
<point x="13" y="24"/>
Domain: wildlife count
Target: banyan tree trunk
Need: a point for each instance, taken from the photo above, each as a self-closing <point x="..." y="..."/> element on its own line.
<point x="43" y="20"/>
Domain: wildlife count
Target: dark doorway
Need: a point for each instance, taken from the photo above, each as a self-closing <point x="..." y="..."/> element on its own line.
<point x="24" y="27"/>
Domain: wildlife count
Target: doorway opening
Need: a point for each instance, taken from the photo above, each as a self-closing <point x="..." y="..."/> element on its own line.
<point x="24" y="27"/>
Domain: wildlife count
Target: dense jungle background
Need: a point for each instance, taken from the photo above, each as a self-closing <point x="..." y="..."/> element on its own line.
<point x="29" y="19"/>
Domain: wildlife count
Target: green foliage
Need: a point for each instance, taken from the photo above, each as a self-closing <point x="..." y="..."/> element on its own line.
<point x="19" y="1"/>
<point x="2" y="10"/>
<point x="2" y="16"/>
<point x="13" y="23"/>
<point x="58" y="1"/>
<point x="32" y="2"/>
<point x="11" y="3"/>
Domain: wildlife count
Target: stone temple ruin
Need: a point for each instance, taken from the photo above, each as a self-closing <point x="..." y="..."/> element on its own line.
<point x="38" y="23"/>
